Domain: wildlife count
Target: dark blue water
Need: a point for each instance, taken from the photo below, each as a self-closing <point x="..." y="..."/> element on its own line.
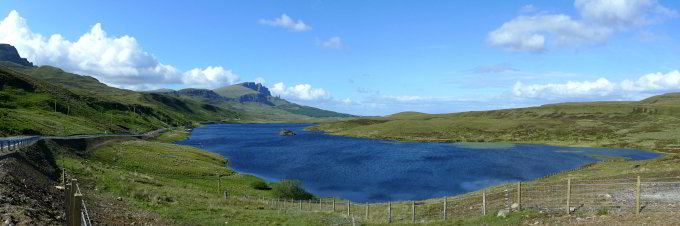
<point x="364" y="170"/>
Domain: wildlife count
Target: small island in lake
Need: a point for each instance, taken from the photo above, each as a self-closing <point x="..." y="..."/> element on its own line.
<point x="287" y="132"/>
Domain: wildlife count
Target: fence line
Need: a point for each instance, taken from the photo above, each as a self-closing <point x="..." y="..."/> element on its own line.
<point x="74" y="205"/>
<point x="568" y="196"/>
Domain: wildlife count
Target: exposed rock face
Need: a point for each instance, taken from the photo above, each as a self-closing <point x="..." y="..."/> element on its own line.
<point x="261" y="98"/>
<point x="9" y="53"/>
<point x="262" y="95"/>
<point x="257" y="87"/>
<point x="206" y="93"/>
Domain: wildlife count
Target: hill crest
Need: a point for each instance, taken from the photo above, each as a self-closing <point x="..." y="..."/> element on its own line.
<point x="10" y="53"/>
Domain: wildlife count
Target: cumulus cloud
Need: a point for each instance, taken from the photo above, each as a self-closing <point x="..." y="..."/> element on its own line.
<point x="117" y="61"/>
<point x="599" y="20"/>
<point x="303" y="92"/>
<point x="654" y="83"/>
<point x="259" y="80"/>
<point x="209" y="77"/>
<point x="286" y="22"/>
<point x="332" y="43"/>
<point x="623" y="13"/>
<point x="602" y="88"/>
<point x="599" y="87"/>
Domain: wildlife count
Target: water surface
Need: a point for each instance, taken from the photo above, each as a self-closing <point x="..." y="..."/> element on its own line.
<point x="365" y="170"/>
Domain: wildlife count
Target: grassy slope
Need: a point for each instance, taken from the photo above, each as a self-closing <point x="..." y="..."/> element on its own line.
<point x="83" y="105"/>
<point x="649" y="124"/>
<point x="234" y="91"/>
<point x="179" y="184"/>
<point x="253" y="112"/>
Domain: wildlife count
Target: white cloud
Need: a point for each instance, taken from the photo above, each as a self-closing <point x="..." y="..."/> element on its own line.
<point x="654" y="82"/>
<point x="209" y="77"/>
<point x="286" y="22"/>
<point x="332" y="43"/>
<point x="599" y="20"/>
<point x="602" y="88"/>
<point x="259" y="80"/>
<point x="117" y="61"/>
<point x="622" y="13"/>
<point x="303" y="92"/>
<point x="599" y="87"/>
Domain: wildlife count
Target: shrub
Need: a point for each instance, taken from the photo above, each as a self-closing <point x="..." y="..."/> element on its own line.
<point x="290" y="189"/>
<point x="260" y="185"/>
<point x="602" y="211"/>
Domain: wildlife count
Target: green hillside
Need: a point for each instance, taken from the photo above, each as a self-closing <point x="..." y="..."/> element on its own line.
<point x="256" y="104"/>
<point x="234" y="91"/>
<point x="65" y="103"/>
<point x="649" y="124"/>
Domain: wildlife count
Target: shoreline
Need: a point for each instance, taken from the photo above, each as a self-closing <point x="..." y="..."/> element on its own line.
<point x="314" y="128"/>
<point x="545" y="177"/>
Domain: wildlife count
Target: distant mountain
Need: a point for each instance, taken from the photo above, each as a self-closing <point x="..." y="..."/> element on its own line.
<point x="48" y="100"/>
<point x="246" y="92"/>
<point x="250" y="92"/>
<point x="245" y="102"/>
<point x="256" y="100"/>
<point x="9" y="53"/>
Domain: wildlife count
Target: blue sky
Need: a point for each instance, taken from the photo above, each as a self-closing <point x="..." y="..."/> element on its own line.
<point x="366" y="58"/>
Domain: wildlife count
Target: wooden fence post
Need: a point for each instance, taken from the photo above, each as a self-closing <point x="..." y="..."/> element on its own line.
<point x="367" y="210"/>
<point x="637" y="196"/>
<point x="445" y="204"/>
<point x="77" y="207"/>
<point x="72" y="201"/>
<point x="219" y="183"/>
<point x="484" y="203"/>
<point x="333" y="205"/>
<point x="349" y="207"/>
<point x="320" y="205"/>
<point x="300" y="204"/>
<point x="568" y="195"/>
<point x="389" y="212"/>
<point x="519" y="196"/>
<point x="67" y="202"/>
<point x="413" y="212"/>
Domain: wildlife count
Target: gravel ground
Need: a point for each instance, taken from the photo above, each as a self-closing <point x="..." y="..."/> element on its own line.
<point x="614" y="219"/>
<point x="27" y="196"/>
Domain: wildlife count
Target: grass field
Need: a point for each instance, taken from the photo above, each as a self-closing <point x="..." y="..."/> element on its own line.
<point x="179" y="183"/>
<point x="650" y="124"/>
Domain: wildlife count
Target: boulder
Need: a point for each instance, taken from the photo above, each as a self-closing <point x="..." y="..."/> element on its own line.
<point x="287" y="132"/>
<point x="503" y="213"/>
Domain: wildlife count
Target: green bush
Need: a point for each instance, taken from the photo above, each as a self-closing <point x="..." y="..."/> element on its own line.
<point x="290" y="189"/>
<point x="602" y="211"/>
<point x="260" y="185"/>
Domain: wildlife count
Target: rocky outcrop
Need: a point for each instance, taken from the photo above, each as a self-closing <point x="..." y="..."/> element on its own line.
<point x="257" y="87"/>
<point x="260" y="98"/>
<point x="287" y="132"/>
<point x="205" y="93"/>
<point x="9" y="53"/>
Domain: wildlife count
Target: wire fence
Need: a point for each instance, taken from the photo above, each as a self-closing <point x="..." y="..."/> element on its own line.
<point x="74" y="205"/>
<point x="569" y="196"/>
